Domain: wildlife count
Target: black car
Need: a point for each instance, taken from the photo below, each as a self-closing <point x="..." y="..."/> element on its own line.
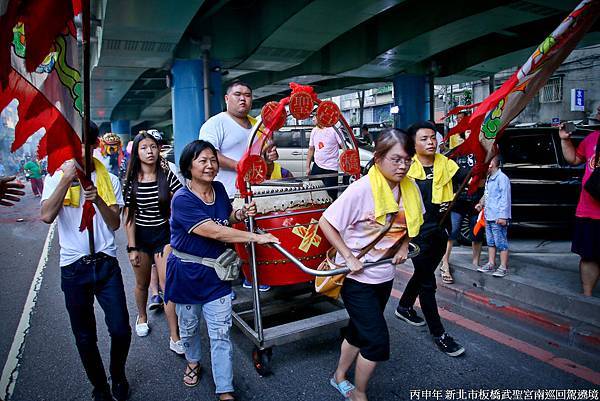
<point x="545" y="188"/>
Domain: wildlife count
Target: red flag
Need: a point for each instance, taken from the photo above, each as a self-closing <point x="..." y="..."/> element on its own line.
<point x="495" y="113"/>
<point x="39" y="66"/>
<point x="42" y="73"/>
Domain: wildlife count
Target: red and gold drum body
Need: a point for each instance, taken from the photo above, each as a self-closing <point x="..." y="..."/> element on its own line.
<point x="293" y="218"/>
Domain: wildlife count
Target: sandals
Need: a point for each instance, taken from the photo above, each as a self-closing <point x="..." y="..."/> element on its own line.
<point x="344" y="387"/>
<point x="193" y="374"/>
<point x="446" y="276"/>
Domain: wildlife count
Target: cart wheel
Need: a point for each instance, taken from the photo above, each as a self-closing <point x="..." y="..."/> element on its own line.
<point x="262" y="360"/>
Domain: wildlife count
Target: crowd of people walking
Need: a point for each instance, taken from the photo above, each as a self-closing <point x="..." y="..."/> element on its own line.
<point x="178" y="221"/>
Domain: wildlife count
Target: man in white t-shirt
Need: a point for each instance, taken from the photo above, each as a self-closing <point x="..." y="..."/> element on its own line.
<point x="229" y="132"/>
<point x="85" y="276"/>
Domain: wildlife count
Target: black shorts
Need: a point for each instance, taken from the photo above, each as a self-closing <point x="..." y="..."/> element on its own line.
<point x="152" y="240"/>
<point x="586" y="239"/>
<point x="367" y="328"/>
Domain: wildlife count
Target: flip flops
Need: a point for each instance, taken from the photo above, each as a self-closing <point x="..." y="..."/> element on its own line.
<point x="193" y="375"/>
<point x="446" y="275"/>
<point x="344" y="387"/>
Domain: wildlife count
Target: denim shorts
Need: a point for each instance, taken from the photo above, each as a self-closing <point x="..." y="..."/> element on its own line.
<point x="152" y="240"/>
<point x="496" y="235"/>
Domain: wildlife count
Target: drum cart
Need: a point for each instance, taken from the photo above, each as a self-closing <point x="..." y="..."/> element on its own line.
<point x="296" y="311"/>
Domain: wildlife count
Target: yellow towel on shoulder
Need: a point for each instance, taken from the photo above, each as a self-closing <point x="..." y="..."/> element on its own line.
<point x="276" y="174"/>
<point x="386" y="203"/>
<point x="103" y="184"/>
<point x="443" y="171"/>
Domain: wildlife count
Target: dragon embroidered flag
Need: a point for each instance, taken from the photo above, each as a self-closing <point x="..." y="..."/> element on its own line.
<point x="40" y="69"/>
<point x="491" y="116"/>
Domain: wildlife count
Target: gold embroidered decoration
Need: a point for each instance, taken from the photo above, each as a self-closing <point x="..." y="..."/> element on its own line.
<point x="308" y="234"/>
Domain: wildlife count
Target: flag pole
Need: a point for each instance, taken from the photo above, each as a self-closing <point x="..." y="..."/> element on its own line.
<point x="87" y="140"/>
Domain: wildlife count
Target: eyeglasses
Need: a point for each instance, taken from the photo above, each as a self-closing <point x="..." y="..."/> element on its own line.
<point x="397" y="162"/>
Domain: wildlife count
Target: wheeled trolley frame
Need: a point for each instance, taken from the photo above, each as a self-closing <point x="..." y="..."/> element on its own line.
<point x="294" y="313"/>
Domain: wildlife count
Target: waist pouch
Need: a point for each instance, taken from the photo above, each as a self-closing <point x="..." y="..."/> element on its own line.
<point x="227" y="265"/>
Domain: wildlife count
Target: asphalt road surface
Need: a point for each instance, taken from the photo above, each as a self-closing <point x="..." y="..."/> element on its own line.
<point x="45" y="365"/>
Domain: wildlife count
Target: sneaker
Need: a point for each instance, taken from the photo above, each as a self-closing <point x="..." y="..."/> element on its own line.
<point x="141" y="329"/>
<point x="487" y="268"/>
<point x="156" y="302"/>
<point x="409" y="316"/>
<point x="501" y="271"/>
<point x="447" y="345"/>
<point x="176" y="346"/>
<point x="102" y="395"/>
<point x="120" y="390"/>
<point x="261" y="287"/>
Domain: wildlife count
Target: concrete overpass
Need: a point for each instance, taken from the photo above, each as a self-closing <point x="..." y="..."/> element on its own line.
<point x="338" y="46"/>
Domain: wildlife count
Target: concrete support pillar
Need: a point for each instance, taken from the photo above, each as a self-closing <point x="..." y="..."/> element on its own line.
<point x="187" y="100"/>
<point x="123" y="129"/>
<point x="412" y="96"/>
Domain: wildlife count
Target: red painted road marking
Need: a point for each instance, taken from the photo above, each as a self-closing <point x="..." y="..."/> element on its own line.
<point x="563" y="364"/>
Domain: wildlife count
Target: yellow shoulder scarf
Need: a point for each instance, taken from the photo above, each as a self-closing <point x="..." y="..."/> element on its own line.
<point x="276" y="174"/>
<point x="443" y="171"/>
<point x="386" y="203"/>
<point x="103" y="184"/>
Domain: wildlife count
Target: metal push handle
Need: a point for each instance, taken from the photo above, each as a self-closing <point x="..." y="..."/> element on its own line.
<point x="413" y="251"/>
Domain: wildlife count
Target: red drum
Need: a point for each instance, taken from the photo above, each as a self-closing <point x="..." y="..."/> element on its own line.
<point x="293" y="218"/>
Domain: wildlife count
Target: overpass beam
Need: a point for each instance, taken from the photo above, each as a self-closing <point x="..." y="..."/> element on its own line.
<point x="413" y="96"/>
<point x="187" y="99"/>
<point x="123" y="129"/>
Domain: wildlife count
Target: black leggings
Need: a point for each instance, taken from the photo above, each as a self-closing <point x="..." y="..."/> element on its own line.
<point x="422" y="283"/>
<point x="327" y="181"/>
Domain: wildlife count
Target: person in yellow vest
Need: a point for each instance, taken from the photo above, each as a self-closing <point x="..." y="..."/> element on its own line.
<point x="433" y="173"/>
<point x="352" y="222"/>
<point x="274" y="170"/>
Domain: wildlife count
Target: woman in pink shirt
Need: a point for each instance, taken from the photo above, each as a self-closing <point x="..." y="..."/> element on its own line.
<point x="352" y="222"/>
<point x="324" y="145"/>
<point x="587" y="216"/>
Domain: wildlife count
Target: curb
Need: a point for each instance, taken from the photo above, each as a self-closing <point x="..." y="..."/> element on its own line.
<point x="569" y="332"/>
<point x="545" y="298"/>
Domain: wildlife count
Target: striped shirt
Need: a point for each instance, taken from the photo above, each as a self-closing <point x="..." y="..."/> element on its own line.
<point x="148" y="212"/>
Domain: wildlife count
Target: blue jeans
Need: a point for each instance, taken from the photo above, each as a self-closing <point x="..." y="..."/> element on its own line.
<point x="99" y="276"/>
<point x="496" y="235"/>
<point x="217" y="314"/>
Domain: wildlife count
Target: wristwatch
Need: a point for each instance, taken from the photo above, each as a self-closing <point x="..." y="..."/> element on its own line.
<point x="131" y="249"/>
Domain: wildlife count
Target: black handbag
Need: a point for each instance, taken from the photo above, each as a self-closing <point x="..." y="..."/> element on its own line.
<point x="592" y="185"/>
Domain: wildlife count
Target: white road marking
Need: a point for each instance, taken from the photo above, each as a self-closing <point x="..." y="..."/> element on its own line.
<point x="11" y="367"/>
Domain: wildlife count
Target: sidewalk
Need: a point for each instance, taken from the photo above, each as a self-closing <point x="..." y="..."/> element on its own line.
<point x="542" y="288"/>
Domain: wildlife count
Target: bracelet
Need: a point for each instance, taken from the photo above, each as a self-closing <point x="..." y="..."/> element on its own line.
<point x="131" y="249"/>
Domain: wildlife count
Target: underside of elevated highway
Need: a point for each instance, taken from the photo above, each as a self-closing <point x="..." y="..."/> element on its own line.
<point x="337" y="46"/>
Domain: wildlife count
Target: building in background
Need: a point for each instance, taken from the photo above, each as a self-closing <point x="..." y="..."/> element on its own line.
<point x="578" y="75"/>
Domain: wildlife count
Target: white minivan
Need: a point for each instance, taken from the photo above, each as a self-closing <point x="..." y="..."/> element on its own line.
<point x="292" y="146"/>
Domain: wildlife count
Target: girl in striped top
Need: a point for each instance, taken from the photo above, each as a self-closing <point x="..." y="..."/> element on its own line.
<point x="148" y="191"/>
